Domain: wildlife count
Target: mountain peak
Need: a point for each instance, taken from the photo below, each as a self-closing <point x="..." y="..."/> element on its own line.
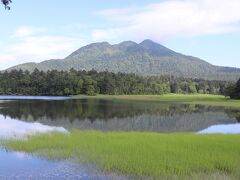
<point x="146" y="58"/>
<point x="94" y="47"/>
<point x="126" y="46"/>
<point x="98" y="45"/>
<point x="156" y="48"/>
<point x="151" y="44"/>
<point x="127" y="43"/>
<point x="148" y="41"/>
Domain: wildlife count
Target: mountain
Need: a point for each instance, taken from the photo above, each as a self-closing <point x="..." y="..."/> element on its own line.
<point x="145" y="58"/>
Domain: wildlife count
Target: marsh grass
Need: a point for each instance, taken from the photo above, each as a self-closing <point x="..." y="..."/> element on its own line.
<point x="167" y="156"/>
<point x="203" y="99"/>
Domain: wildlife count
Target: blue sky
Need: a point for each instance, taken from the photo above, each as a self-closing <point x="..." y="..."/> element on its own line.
<point x="48" y="29"/>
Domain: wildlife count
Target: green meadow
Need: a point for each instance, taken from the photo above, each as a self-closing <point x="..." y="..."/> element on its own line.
<point x="150" y="155"/>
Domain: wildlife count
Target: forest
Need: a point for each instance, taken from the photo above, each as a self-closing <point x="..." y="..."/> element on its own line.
<point x="59" y="83"/>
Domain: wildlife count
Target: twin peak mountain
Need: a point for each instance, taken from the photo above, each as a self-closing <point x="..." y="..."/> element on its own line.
<point x="147" y="58"/>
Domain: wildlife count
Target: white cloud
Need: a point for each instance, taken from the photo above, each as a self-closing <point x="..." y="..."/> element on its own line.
<point x="173" y="18"/>
<point x="30" y="44"/>
<point x="159" y="21"/>
<point x="28" y="31"/>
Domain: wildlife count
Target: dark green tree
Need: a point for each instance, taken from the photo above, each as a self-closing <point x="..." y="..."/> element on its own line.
<point x="66" y="91"/>
<point x="82" y="82"/>
<point x="237" y="90"/>
<point x="233" y="90"/>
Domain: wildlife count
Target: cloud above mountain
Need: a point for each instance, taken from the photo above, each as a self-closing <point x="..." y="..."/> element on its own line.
<point x="173" y="18"/>
<point x="161" y="21"/>
<point x="35" y="44"/>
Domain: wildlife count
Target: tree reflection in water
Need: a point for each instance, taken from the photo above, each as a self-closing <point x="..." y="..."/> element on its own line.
<point x="119" y="115"/>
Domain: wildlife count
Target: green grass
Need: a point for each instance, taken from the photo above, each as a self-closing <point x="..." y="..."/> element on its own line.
<point x="204" y="99"/>
<point x="173" y="156"/>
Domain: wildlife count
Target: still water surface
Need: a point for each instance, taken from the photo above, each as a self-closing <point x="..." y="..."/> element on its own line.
<point x="28" y="115"/>
<point x="86" y="114"/>
<point x="20" y="166"/>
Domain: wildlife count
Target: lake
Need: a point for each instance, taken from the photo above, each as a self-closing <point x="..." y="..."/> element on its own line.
<point x="62" y="113"/>
<point x="21" y="166"/>
<point x="21" y="116"/>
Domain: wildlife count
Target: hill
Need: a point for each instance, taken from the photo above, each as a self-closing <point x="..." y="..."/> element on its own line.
<point x="145" y="58"/>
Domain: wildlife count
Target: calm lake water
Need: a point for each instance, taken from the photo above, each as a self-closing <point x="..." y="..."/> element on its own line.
<point x="43" y="114"/>
<point x="21" y="116"/>
<point x="20" y="166"/>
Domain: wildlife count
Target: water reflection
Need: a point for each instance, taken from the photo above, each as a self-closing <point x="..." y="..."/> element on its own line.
<point x="226" y="129"/>
<point x="118" y="115"/>
<point x="34" y="97"/>
<point x="20" y="166"/>
<point x="10" y="128"/>
<point x="233" y="113"/>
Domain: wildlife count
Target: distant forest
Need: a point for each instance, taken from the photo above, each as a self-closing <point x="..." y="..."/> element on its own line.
<point x="63" y="83"/>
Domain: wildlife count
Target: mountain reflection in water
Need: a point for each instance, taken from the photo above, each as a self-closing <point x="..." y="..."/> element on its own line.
<point x="85" y="114"/>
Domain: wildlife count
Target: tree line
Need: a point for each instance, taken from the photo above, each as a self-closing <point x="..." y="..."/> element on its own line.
<point x="59" y="83"/>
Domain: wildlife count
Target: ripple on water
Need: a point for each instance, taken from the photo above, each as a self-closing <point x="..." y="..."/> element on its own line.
<point x="21" y="166"/>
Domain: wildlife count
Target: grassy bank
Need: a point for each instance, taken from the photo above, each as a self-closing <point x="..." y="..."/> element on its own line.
<point x="180" y="156"/>
<point x="204" y="99"/>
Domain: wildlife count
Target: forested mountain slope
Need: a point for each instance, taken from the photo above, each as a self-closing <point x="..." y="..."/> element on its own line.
<point x="145" y="58"/>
